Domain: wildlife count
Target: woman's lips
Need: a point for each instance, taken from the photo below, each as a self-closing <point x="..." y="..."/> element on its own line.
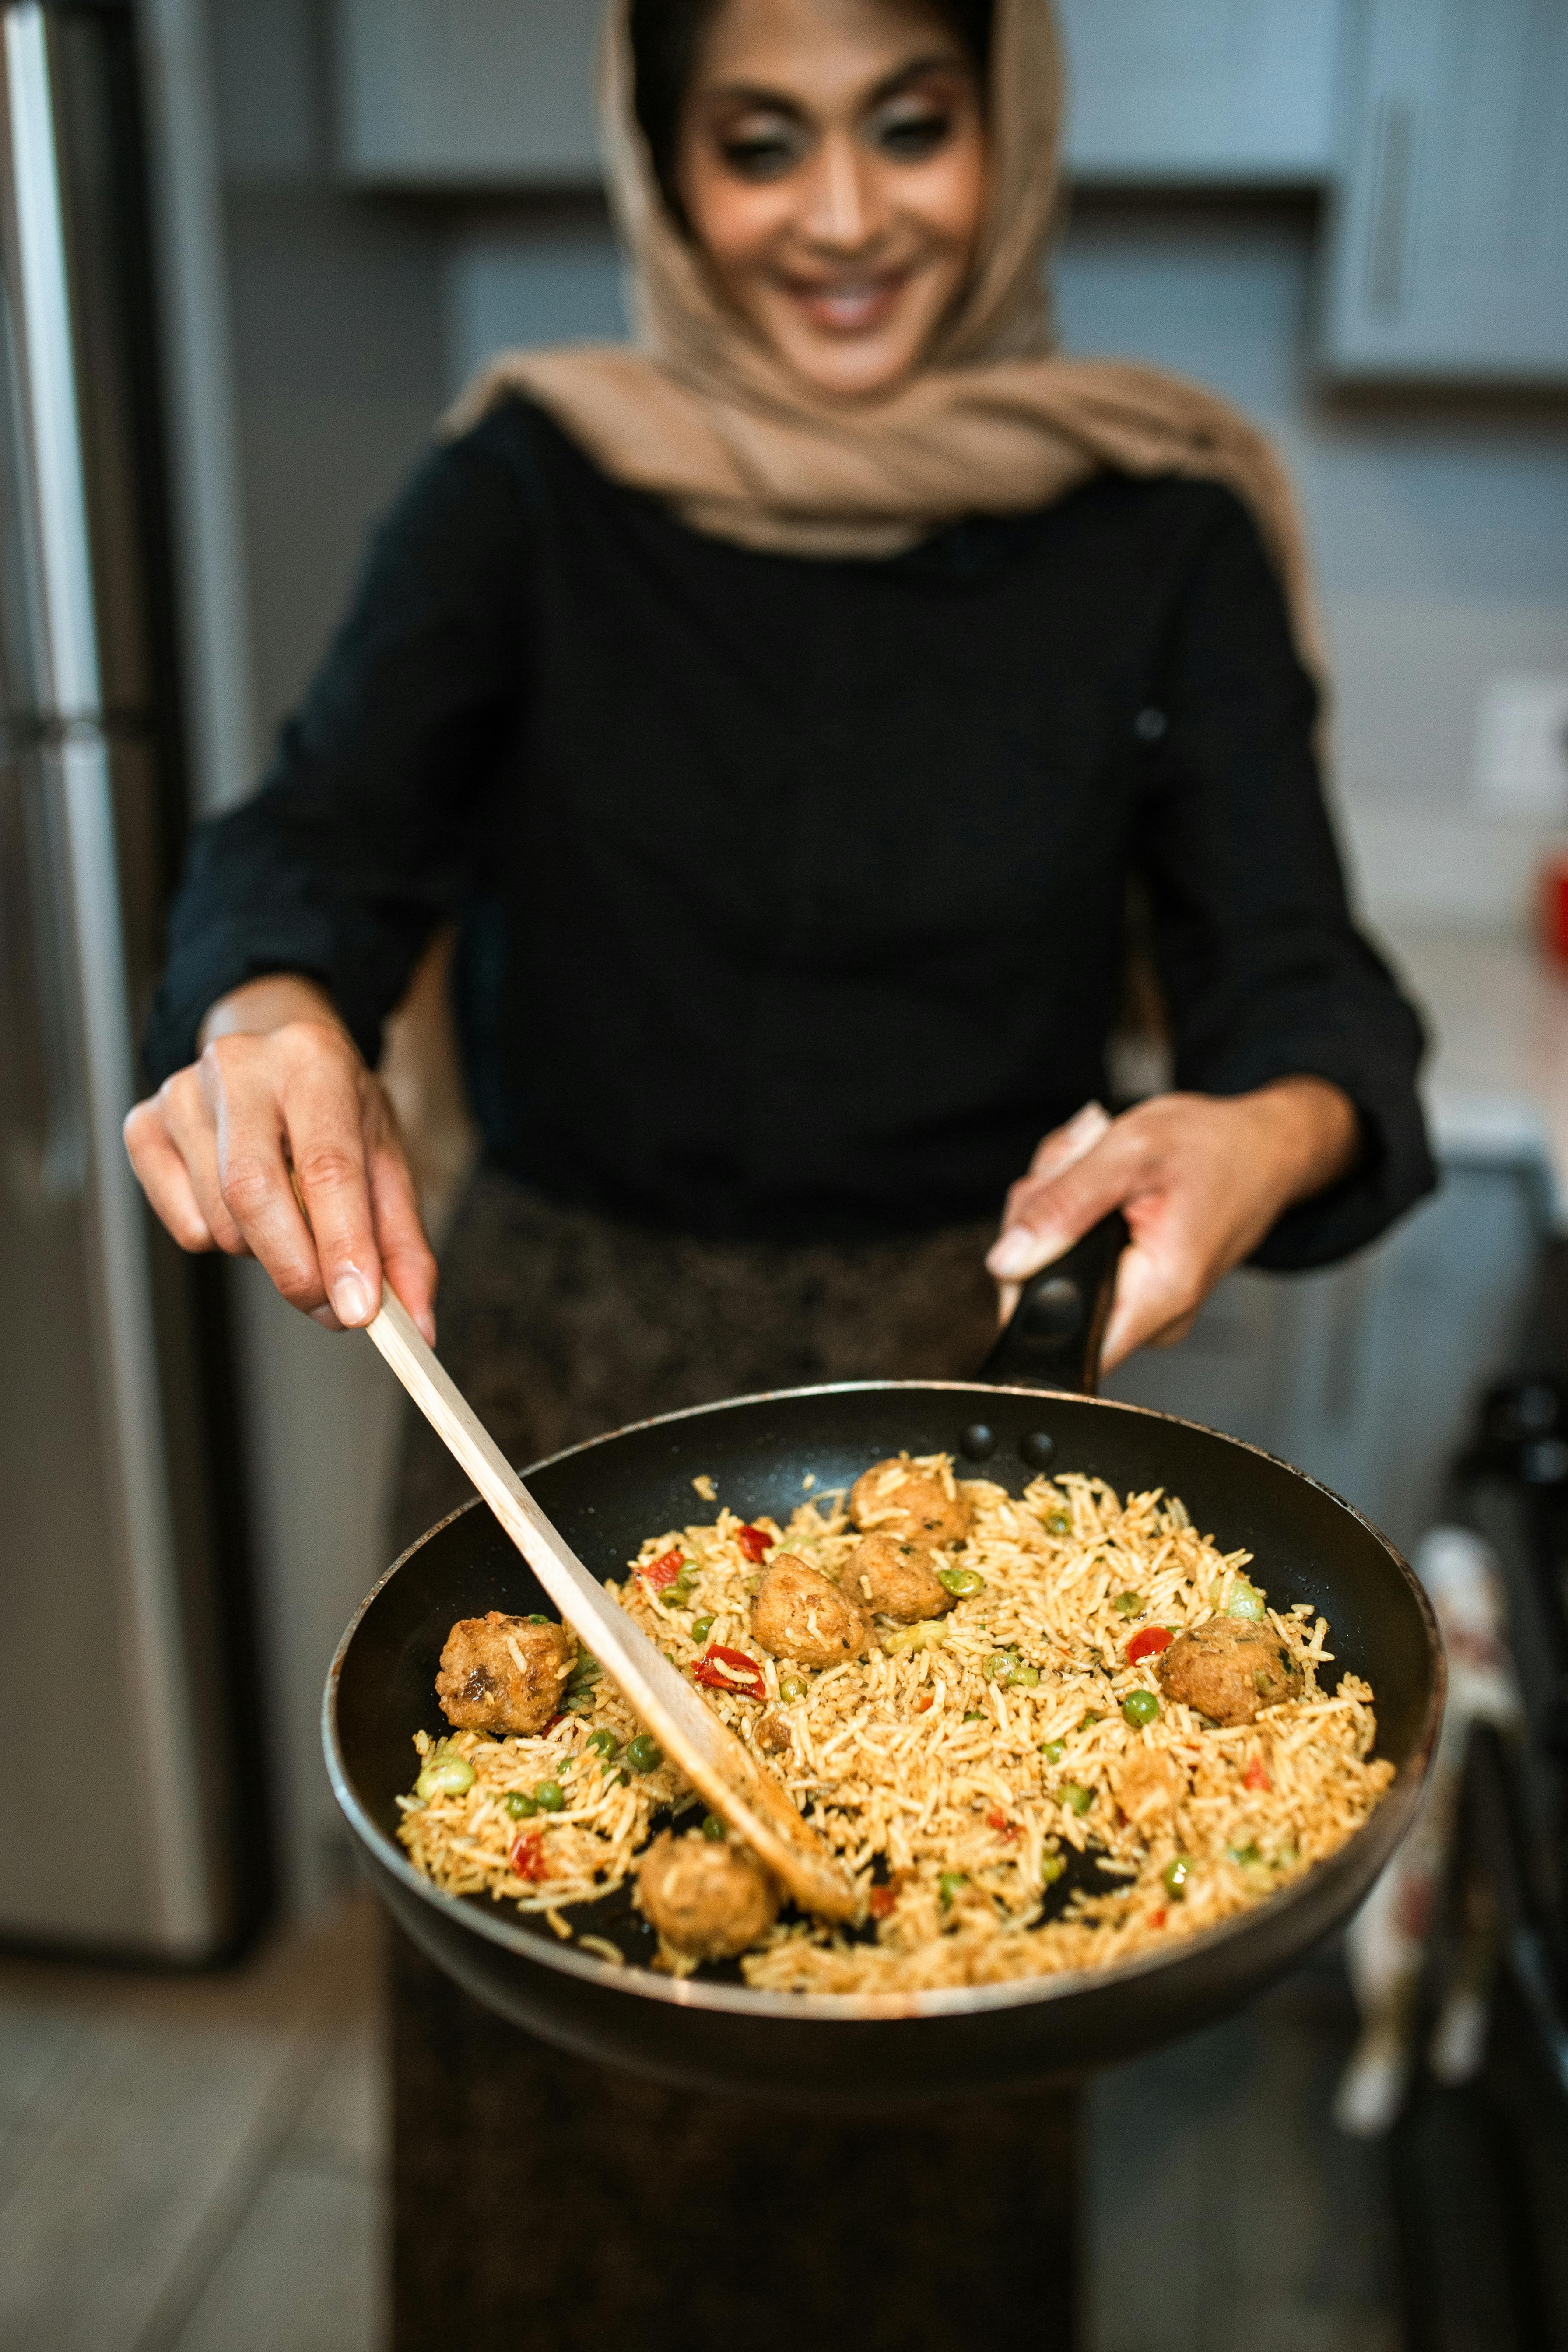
<point x="849" y="306"/>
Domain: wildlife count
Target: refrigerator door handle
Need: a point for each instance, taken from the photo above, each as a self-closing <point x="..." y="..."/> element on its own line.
<point x="63" y="1145"/>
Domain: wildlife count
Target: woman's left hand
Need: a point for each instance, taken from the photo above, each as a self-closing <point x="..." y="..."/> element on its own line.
<point x="1200" y="1178"/>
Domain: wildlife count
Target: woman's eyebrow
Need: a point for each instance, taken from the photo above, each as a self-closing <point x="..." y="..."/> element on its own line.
<point x="754" y="96"/>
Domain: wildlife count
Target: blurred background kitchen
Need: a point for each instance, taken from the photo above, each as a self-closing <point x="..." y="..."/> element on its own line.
<point x="1349" y="216"/>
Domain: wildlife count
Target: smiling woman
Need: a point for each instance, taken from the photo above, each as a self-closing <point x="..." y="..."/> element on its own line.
<point x="831" y="165"/>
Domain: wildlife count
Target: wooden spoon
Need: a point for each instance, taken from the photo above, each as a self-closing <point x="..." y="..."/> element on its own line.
<point x="715" y="1762"/>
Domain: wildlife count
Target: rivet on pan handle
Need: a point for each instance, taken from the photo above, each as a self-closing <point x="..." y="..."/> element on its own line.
<point x="1056" y="1332"/>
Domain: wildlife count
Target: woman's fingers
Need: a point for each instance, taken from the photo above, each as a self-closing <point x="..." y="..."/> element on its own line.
<point x="406" y="1254"/>
<point x="1046" y="1213"/>
<point x="326" y="1110"/>
<point x="243" y="1089"/>
<point x="164" y="1178"/>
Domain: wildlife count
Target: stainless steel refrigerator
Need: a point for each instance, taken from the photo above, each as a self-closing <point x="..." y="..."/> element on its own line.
<point x="126" y="1813"/>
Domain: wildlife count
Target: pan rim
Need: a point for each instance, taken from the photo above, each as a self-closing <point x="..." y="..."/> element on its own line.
<point x="830" y="2009"/>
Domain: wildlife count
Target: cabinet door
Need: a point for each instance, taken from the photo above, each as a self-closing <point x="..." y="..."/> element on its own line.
<point x="1215" y="91"/>
<point x="1448" y="249"/>
<point x="467" y="93"/>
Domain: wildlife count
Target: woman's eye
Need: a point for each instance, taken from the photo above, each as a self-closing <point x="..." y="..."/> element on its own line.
<point x="911" y="138"/>
<point x="760" y="154"/>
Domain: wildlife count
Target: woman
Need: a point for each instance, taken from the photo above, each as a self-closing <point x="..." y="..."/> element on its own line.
<point x="781" y="707"/>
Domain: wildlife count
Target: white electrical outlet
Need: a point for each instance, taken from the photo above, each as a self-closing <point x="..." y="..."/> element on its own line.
<point x="1521" y="748"/>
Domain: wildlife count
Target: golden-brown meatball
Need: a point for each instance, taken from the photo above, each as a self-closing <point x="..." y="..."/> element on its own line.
<point x="710" y="1898"/>
<point x="503" y="1674"/>
<point x="1149" y="1787"/>
<point x="800" y="1614"/>
<point x="894" y="1499"/>
<point x="1229" y="1669"/>
<point x="896" y="1580"/>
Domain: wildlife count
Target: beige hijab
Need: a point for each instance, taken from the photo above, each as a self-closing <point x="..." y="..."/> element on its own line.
<point x="700" y="414"/>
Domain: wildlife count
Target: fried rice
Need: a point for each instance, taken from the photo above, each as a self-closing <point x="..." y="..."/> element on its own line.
<point x="953" y="1766"/>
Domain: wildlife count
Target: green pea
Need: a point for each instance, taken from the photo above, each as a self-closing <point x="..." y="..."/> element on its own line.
<point x="1085" y="1720"/>
<point x="1051" y="1869"/>
<point x="791" y="1687"/>
<point x="1176" y="1874"/>
<point x="975" y="1714"/>
<point x="643" y="1753"/>
<point x="713" y="1828"/>
<point x="1052" y="1751"/>
<point x="1246" y="1857"/>
<point x="1059" y="1523"/>
<point x="445" y="1775"/>
<point x="1140" y="1706"/>
<point x="579" y="1702"/>
<point x="1076" y="1797"/>
<point x="520" y="1808"/>
<point x="1246" y="1601"/>
<point x="964" y="1583"/>
<point x="1130" y="1604"/>
<point x="948" y="1886"/>
<point x="535" y="1619"/>
<point x="550" y="1796"/>
<point x="602" y="1743"/>
<point x="586" y="1670"/>
<point x="1027" y="1676"/>
<point x="700" y="1629"/>
<point x="1000" y="1665"/>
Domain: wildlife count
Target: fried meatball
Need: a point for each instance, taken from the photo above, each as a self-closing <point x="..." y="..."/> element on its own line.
<point x="896" y="1580"/>
<point x="1149" y="1787"/>
<point x="800" y="1614"/>
<point x="503" y="1674"/>
<point x="894" y="1499"/>
<point x="1227" y="1669"/>
<point x="709" y="1897"/>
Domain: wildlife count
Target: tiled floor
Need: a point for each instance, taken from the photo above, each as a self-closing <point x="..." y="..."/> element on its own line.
<point x="188" y="2165"/>
<point x="195" y="2165"/>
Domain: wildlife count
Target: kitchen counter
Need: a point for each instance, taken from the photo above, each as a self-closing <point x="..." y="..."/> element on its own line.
<point x="1497" y="1084"/>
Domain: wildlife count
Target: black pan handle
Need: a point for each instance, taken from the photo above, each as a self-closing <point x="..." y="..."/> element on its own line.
<point x="1054" y="1334"/>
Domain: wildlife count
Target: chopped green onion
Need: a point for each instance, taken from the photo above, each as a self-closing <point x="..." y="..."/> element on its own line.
<point x="964" y="1583"/>
<point x="1246" y="1601"/>
<point x="1246" y="1857"/>
<point x="949" y="1884"/>
<point x="550" y="1796"/>
<point x="577" y="1702"/>
<point x="1076" y="1797"/>
<point x="643" y="1753"/>
<point x="520" y="1808"/>
<point x="1084" y="1721"/>
<point x="975" y="1714"/>
<point x="446" y="1775"/>
<point x="1176" y="1874"/>
<point x="1140" y="1706"/>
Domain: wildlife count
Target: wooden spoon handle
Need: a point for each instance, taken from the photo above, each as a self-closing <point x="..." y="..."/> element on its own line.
<point x="734" y="1784"/>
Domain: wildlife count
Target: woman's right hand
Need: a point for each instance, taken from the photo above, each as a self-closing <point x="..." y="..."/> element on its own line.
<point x="281" y="1095"/>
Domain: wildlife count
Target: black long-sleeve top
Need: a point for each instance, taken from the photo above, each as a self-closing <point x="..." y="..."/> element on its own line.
<point x="791" y="890"/>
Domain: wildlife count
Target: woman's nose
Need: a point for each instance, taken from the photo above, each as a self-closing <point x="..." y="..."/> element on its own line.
<point x="842" y="206"/>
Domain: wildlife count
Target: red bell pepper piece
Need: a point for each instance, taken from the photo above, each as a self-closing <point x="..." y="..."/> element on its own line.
<point x="729" y="1670"/>
<point x="1255" y="1776"/>
<point x="754" y="1541"/>
<point x="528" y="1855"/>
<point x="658" y="1573"/>
<point x="1158" y="1918"/>
<point x="1147" y="1644"/>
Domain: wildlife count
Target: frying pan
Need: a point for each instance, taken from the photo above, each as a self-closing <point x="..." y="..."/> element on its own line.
<point x="850" y="2052"/>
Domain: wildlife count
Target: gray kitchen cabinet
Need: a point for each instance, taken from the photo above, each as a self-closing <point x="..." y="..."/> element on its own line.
<point x="1447" y="251"/>
<point x="474" y="93"/>
<point x="467" y="93"/>
<point x="1209" y="91"/>
<point x="1367" y="1375"/>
